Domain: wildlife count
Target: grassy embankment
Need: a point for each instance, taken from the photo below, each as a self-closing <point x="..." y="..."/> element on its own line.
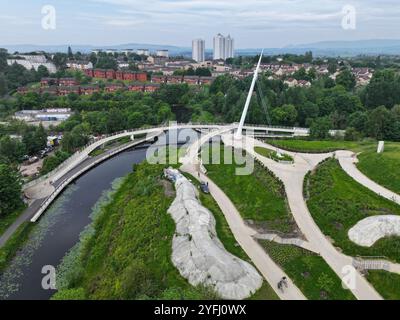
<point x="259" y="197"/>
<point x="10" y="248"/>
<point x="109" y="145"/>
<point x="311" y="274"/>
<point x="272" y="154"/>
<point x="383" y="168"/>
<point x="321" y="146"/>
<point x="128" y="253"/>
<point x="337" y="203"/>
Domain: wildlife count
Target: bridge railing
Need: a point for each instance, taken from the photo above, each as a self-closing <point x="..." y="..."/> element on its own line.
<point x="164" y="126"/>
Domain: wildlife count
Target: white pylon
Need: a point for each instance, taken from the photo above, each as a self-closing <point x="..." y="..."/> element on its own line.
<point x="238" y="134"/>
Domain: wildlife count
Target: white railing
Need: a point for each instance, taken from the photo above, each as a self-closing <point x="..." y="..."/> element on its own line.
<point x="67" y="181"/>
<point x="143" y="130"/>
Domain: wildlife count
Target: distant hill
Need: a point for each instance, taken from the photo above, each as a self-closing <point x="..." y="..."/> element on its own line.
<point x="324" y="48"/>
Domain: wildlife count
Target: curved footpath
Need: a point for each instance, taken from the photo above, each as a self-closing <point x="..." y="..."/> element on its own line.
<point x="242" y="233"/>
<point x="348" y="160"/>
<point x="293" y="176"/>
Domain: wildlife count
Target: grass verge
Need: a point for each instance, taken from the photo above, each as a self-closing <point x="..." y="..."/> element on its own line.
<point x="128" y="253"/>
<point x="383" y="168"/>
<point x="386" y="283"/>
<point x="11" y="247"/>
<point x="320" y="146"/>
<point x="337" y="203"/>
<point x="311" y="274"/>
<point x="272" y="154"/>
<point x="258" y="196"/>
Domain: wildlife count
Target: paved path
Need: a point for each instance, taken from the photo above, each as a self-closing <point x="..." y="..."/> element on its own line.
<point x="242" y="233"/>
<point x="347" y="160"/>
<point x="293" y="176"/>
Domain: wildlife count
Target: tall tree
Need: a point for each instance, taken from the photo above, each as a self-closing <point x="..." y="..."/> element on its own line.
<point x="10" y="189"/>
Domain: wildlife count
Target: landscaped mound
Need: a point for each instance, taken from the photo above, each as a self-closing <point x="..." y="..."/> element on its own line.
<point x="197" y="252"/>
<point x="369" y="230"/>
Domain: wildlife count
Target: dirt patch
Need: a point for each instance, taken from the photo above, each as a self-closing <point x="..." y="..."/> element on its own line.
<point x="169" y="189"/>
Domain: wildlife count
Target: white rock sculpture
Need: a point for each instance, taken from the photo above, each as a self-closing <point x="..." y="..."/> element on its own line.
<point x="197" y="252"/>
<point x="369" y="230"/>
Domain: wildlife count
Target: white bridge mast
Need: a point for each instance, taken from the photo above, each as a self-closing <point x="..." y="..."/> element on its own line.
<point x="238" y="134"/>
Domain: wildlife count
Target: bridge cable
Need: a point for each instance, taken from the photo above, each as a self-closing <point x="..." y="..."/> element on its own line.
<point x="263" y="102"/>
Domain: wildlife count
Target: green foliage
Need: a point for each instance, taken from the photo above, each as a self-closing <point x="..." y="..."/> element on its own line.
<point x="384" y="167"/>
<point x="11" y="150"/>
<point x="52" y="162"/>
<point x="34" y="139"/>
<point x="386" y="283"/>
<point x="10" y="190"/>
<point x="258" y="196"/>
<point x="318" y="146"/>
<point x="11" y="247"/>
<point x="70" y="294"/>
<point x="337" y="203"/>
<point x="311" y="274"/>
<point x="346" y="79"/>
<point x="320" y="128"/>
<point x="128" y="254"/>
<point x="272" y="154"/>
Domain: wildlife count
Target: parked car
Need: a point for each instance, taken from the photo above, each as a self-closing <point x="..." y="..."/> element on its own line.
<point x="204" y="187"/>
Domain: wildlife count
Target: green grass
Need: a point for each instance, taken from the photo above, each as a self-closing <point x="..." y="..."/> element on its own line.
<point x="228" y="240"/>
<point x="337" y="203"/>
<point x="109" y="145"/>
<point x="386" y="283"/>
<point x="9" y="219"/>
<point x="10" y="248"/>
<point x="259" y="196"/>
<point x="272" y="154"/>
<point x="311" y="274"/>
<point x="383" y="168"/>
<point x="128" y="254"/>
<point x="322" y="146"/>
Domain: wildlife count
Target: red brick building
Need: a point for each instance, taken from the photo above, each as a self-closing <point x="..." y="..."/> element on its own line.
<point x="151" y="87"/>
<point x="63" y="91"/>
<point x="206" y="80"/>
<point x="89" y="72"/>
<point x="158" y="79"/>
<point x="141" y="76"/>
<point x="193" y="80"/>
<point x="174" y="79"/>
<point x="129" y="76"/>
<point x="22" y="90"/>
<point x="98" y="73"/>
<point x="67" y="82"/>
<point x="113" y="87"/>
<point x="87" y="90"/>
<point x="136" y="87"/>
<point x="50" y="90"/>
<point x="110" y="74"/>
<point x="119" y="75"/>
<point x="46" y="82"/>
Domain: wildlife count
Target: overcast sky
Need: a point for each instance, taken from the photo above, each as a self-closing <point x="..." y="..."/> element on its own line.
<point x="253" y="23"/>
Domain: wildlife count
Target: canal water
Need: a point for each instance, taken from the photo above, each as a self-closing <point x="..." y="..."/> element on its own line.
<point x="59" y="227"/>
